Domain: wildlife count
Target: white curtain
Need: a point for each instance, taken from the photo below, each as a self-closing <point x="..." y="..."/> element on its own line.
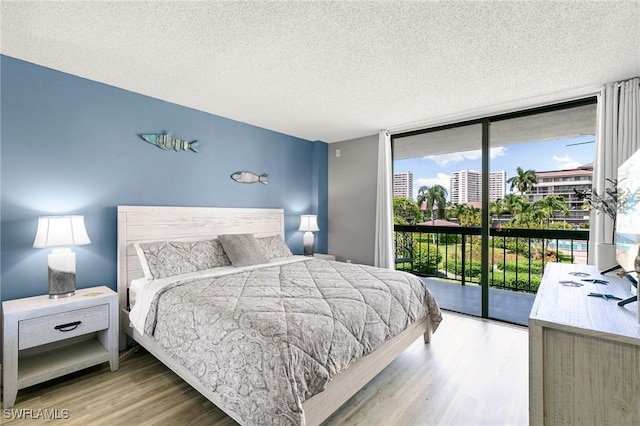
<point x="617" y="138"/>
<point x="383" y="256"/>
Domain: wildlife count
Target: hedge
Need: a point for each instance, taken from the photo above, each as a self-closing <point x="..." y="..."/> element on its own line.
<point x="523" y="283"/>
<point x="426" y="259"/>
<point x="523" y="267"/>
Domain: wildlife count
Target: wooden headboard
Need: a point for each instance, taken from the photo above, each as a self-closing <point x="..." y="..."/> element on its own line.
<point x="138" y="224"/>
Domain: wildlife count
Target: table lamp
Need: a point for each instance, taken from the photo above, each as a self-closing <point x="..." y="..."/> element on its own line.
<point x="308" y="225"/>
<point x="58" y="232"/>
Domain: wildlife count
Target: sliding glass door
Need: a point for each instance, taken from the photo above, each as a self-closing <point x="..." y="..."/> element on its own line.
<point x="441" y="239"/>
<point x="482" y="206"/>
<point x="547" y="159"/>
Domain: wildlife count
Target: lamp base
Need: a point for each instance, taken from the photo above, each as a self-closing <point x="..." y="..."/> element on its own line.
<point x="61" y="284"/>
<point x="307" y="241"/>
<point x="62" y="273"/>
<point x="61" y="296"/>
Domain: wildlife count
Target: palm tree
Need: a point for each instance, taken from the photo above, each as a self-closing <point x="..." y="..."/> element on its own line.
<point x="524" y="215"/>
<point x="422" y="193"/>
<point x="555" y="203"/>
<point x="513" y="203"/>
<point x="435" y="195"/>
<point x="524" y="180"/>
<point x="497" y="207"/>
<point x="542" y="212"/>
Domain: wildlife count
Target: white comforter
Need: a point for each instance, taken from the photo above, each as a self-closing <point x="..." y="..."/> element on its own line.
<point x="143" y="290"/>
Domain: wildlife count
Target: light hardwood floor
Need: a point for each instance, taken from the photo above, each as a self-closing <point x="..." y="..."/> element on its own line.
<point x="474" y="372"/>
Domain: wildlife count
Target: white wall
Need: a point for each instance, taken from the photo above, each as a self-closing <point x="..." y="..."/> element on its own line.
<point x="352" y="199"/>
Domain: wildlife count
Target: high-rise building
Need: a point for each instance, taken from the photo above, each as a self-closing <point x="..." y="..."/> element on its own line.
<point x="403" y="185"/>
<point x="497" y="185"/>
<point x="563" y="183"/>
<point x="466" y="186"/>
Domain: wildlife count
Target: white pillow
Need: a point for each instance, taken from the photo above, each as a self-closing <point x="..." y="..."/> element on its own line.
<point x="143" y="261"/>
<point x="162" y="259"/>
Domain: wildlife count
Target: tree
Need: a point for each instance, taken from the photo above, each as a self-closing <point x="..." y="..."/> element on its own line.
<point x="514" y="203"/>
<point x="550" y="205"/>
<point x="456" y="210"/>
<point x="404" y="211"/>
<point x="433" y="196"/>
<point x="524" y="215"/>
<point x="524" y="180"/>
<point x="422" y="194"/>
<point x="497" y="207"/>
<point x="471" y="216"/>
<point x="541" y="213"/>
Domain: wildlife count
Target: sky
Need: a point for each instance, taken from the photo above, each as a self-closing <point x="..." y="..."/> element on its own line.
<point x="560" y="154"/>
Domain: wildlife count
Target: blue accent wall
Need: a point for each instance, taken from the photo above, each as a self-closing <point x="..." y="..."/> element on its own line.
<point x="71" y="146"/>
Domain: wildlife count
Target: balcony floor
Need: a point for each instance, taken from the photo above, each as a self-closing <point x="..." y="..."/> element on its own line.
<point x="504" y="305"/>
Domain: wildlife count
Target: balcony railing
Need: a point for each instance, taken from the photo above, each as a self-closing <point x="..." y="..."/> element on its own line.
<point x="517" y="257"/>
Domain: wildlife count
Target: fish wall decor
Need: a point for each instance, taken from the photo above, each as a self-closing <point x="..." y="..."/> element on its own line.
<point x="167" y="141"/>
<point x="250" y="177"/>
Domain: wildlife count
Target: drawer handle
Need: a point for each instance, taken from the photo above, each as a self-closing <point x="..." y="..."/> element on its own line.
<point x="68" y="327"/>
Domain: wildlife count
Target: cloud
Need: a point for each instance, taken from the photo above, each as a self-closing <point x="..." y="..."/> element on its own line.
<point x="498" y="151"/>
<point x="566" y="162"/>
<point x="445" y="159"/>
<point x="441" y="179"/>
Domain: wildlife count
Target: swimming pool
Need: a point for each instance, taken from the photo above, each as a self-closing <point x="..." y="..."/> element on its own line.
<point x="566" y="245"/>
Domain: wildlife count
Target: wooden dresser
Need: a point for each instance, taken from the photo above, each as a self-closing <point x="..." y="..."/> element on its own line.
<point x="584" y="351"/>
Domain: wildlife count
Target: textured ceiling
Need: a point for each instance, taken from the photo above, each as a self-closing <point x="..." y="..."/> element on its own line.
<point x="333" y="71"/>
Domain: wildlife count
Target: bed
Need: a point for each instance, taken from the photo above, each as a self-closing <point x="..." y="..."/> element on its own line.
<point x="311" y="391"/>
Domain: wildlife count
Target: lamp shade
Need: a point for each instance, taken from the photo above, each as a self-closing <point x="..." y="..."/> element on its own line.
<point x="308" y="223"/>
<point x="59" y="231"/>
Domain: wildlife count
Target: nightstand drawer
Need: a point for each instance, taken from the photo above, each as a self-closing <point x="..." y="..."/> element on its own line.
<point x="51" y="328"/>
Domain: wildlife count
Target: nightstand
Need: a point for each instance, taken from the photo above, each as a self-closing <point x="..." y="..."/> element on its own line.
<point x="46" y="338"/>
<point x="324" y="256"/>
